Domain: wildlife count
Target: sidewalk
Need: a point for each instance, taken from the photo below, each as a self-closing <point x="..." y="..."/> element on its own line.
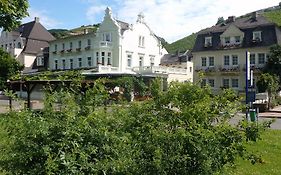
<point x="272" y="113"/>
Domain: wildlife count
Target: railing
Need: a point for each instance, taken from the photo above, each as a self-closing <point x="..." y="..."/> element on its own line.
<point x="233" y="68"/>
<point x="159" y="69"/>
<point x="105" y="44"/>
<point x="255" y="67"/>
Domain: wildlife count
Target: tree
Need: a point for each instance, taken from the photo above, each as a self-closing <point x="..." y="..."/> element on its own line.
<point x="9" y="66"/>
<point x="273" y="65"/>
<point x="12" y="11"/>
<point x="270" y="83"/>
<point x="220" y="20"/>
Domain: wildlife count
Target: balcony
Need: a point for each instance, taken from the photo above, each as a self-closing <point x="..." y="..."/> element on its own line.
<point x="230" y="45"/>
<point x="257" y="68"/>
<point x="69" y="50"/>
<point x="233" y="68"/>
<point x="62" y="51"/>
<point x="205" y="69"/>
<point x="159" y="69"/>
<point x="78" y="49"/>
<point x="55" y="52"/>
<point x="105" y="44"/>
<point x="88" y="48"/>
<point x="102" y="69"/>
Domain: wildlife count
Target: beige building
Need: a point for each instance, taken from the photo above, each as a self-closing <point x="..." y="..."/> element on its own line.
<point x="220" y="51"/>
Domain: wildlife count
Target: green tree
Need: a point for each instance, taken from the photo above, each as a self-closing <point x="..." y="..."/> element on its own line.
<point x="9" y="66"/>
<point x="270" y="83"/>
<point x="273" y="65"/>
<point x="12" y="11"/>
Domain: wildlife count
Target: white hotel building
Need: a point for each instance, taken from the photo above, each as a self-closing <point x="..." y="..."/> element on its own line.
<point x="115" y="48"/>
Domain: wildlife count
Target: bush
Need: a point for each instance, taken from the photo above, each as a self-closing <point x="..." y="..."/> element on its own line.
<point x="182" y="131"/>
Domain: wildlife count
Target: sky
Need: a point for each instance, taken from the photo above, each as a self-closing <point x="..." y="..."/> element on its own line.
<point x="170" y="19"/>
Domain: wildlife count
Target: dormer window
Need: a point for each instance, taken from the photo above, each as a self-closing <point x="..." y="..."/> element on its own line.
<point x="257" y="36"/>
<point x="227" y="40"/>
<point x="208" y="41"/>
<point x="237" y="39"/>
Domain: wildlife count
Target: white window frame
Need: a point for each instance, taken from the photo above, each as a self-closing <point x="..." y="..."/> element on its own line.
<point x="235" y="56"/>
<point x="71" y="66"/>
<point x="213" y="62"/>
<point x="224" y="60"/>
<point x="141" y="41"/>
<point x="56" y="66"/>
<point x="89" y="61"/>
<point x="107" y="37"/>
<point x="252" y="59"/>
<point x="227" y="40"/>
<point x="236" y="40"/>
<point x="257" y="35"/>
<point x="109" y="58"/>
<point x="80" y="62"/>
<point x="211" y="84"/>
<point x="223" y="82"/>
<point x="63" y="63"/>
<point x="264" y="58"/>
<point x="204" y="60"/>
<point x="208" y="41"/>
<point x="234" y="80"/>
<point x="40" y="61"/>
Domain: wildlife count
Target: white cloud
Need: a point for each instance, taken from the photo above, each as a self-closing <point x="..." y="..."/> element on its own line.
<point x="45" y="20"/>
<point x="175" y="19"/>
<point x="93" y="12"/>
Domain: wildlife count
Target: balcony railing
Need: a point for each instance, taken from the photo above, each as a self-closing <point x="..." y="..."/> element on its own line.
<point x="105" y="44"/>
<point x="206" y="69"/>
<point x="159" y="69"/>
<point x="233" y="68"/>
<point x="257" y="68"/>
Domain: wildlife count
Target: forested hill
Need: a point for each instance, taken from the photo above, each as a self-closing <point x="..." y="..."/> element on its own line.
<point x="186" y="43"/>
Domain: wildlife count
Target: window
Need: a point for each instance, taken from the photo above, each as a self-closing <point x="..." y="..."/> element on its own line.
<point x="211" y="61"/>
<point x="204" y="61"/>
<point x="190" y="69"/>
<point x="261" y="58"/>
<point x="211" y="82"/>
<point x="40" y="61"/>
<point x="89" y="42"/>
<point x="208" y="41"/>
<point x="109" y="58"/>
<point x="56" y="47"/>
<point x="106" y="37"/>
<point x="237" y="39"/>
<point x="141" y="61"/>
<point x="234" y="83"/>
<point x="56" y="64"/>
<point x="227" y="40"/>
<point x="63" y="46"/>
<point x="129" y="60"/>
<point x="79" y="44"/>
<point x="63" y="64"/>
<point x="225" y="83"/>
<point x="102" y="58"/>
<point x="226" y="60"/>
<point x="257" y="35"/>
<point x="152" y="60"/>
<point x="79" y="62"/>
<point x="71" y="63"/>
<point x="70" y="45"/>
<point x="203" y="83"/>
<point x="141" y="41"/>
<point x="89" y="61"/>
<point x="19" y="45"/>
<point x="234" y="60"/>
<point x="97" y="58"/>
<point x="252" y="58"/>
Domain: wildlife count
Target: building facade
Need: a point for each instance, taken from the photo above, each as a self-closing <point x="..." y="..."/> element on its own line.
<point x="25" y="42"/>
<point x="220" y="51"/>
<point x="115" y="48"/>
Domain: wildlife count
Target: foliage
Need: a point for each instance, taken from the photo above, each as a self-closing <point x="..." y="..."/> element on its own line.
<point x="9" y="66"/>
<point x="182" y="45"/>
<point x="220" y="20"/>
<point x="183" y="131"/>
<point x="59" y="33"/>
<point x="270" y="83"/>
<point x="273" y="65"/>
<point x="274" y="16"/>
<point x="12" y="12"/>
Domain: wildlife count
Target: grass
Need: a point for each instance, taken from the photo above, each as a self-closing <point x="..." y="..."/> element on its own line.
<point x="269" y="148"/>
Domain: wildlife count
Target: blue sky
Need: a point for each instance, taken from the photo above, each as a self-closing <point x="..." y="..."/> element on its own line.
<point x="171" y="19"/>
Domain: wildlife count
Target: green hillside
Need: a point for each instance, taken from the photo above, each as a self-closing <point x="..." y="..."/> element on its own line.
<point x="62" y="33"/>
<point x="181" y="45"/>
<point x="274" y="16"/>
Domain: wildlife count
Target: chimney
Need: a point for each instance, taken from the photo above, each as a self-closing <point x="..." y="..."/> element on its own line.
<point x="36" y="19"/>
<point x="231" y="19"/>
<point x="255" y="15"/>
<point x="86" y="31"/>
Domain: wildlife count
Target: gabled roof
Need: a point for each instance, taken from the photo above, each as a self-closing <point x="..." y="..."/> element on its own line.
<point x="34" y="30"/>
<point x="241" y="23"/>
<point x="124" y="26"/>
